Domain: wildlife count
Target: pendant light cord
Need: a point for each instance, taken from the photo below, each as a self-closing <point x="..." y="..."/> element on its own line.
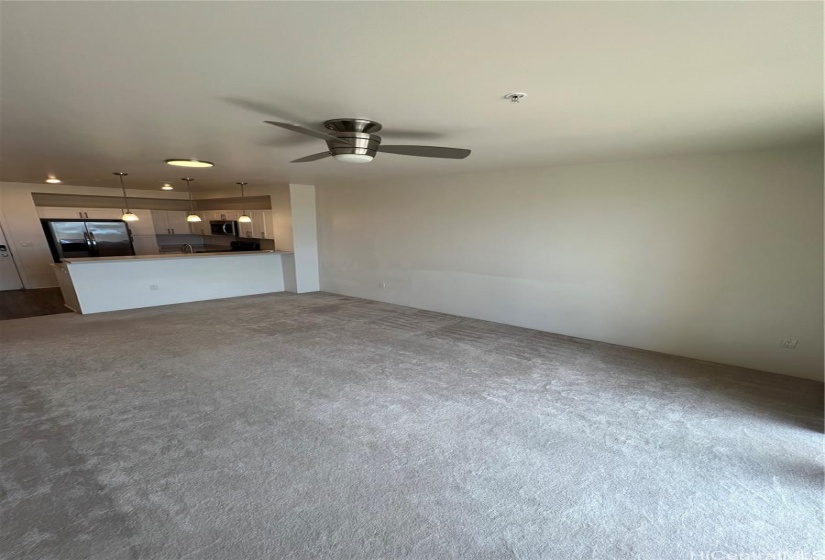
<point x="123" y="188"/>
<point x="189" y="190"/>
<point x="242" y="183"/>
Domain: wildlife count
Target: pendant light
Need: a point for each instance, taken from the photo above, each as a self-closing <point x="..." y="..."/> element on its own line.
<point x="191" y="217"/>
<point x="244" y="218"/>
<point x="127" y="216"/>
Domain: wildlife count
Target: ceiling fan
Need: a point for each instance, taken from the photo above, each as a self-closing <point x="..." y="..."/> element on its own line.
<point x="356" y="141"/>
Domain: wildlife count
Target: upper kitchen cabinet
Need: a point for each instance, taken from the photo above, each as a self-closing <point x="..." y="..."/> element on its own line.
<point x="103" y="213"/>
<point x="231" y="215"/>
<point x="170" y="222"/>
<point x="63" y="213"/>
<point x="144" y="225"/>
<point x="202" y="227"/>
<point x="260" y="227"/>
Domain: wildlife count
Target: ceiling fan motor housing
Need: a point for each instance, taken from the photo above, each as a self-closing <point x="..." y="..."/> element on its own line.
<point x="357" y="136"/>
<point x="358" y="143"/>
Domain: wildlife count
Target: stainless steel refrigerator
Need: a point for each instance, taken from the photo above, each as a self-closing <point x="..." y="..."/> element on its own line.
<point x="88" y="238"/>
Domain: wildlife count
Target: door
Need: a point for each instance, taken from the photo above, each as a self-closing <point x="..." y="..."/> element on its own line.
<point x="110" y="239"/>
<point x="69" y="239"/>
<point x="9" y="278"/>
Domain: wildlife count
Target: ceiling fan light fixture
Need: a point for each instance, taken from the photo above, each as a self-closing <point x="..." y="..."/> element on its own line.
<point x="189" y="163"/>
<point x="353" y="158"/>
<point x="355" y="141"/>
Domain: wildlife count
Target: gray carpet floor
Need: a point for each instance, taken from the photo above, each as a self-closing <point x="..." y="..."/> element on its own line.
<point x="322" y="426"/>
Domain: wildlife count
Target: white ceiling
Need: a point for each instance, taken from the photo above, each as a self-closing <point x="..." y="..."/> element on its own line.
<point x="89" y="88"/>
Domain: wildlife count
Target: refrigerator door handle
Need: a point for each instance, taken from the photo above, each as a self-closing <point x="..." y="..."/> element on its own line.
<point x="95" y="251"/>
<point x="89" y="243"/>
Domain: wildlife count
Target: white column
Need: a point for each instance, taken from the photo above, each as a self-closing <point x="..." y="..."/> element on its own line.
<point x="305" y="238"/>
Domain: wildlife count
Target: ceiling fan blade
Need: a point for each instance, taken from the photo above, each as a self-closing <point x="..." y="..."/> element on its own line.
<point x="313" y="157"/>
<point x="307" y="131"/>
<point x="425" y="151"/>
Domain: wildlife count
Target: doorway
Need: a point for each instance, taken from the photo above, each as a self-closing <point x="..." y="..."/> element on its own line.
<point x="9" y="276"/>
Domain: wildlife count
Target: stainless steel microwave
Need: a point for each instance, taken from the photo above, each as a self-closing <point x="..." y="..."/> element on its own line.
<point x="224" y="227"/>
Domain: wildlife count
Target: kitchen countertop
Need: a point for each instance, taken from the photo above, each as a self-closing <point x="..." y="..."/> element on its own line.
<point x="205" y="248"/>
<point x="173" y="256"/>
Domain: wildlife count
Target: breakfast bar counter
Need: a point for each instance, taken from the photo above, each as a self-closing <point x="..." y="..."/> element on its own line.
<point x="98" y="284"/>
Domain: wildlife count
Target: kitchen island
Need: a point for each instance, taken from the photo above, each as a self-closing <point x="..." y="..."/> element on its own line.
<point x="95" y="285"/>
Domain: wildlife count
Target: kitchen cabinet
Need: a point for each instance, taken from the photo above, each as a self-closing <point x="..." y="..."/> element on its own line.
<point x="60" y="213"/>
<point x="202" y="227"/>
<point x="145" y="224"/>
<point x="103" y="213"/>
<point x="168" y="222"/>
<point x="231" y="215"/>
<point x="145" y="244"/>
<point x="260" y="227"/>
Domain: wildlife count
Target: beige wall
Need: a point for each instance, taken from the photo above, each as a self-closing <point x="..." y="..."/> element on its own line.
<point x="716" y="257"/>
<point x="21" y="223"/>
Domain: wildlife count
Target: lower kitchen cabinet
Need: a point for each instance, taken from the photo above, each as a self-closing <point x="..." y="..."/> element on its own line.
<point x="145" y="244"/>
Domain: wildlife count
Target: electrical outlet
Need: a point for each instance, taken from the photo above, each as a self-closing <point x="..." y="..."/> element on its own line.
<point x="27" y="244"/>
<point x="153" y="287"/>
<point x="789" y="343"/>
<point x="382" y="284"/>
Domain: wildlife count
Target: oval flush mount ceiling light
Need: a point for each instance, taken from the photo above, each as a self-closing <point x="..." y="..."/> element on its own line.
<point x="167" y="187"/>
<point x="53" y="180"/>
<point x="189" y="163"/>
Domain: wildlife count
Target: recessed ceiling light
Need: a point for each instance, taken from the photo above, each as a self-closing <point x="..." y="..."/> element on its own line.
<point x="190" y="163"/>
<point x="167" y="187"/>
<point x="53" y="180"/>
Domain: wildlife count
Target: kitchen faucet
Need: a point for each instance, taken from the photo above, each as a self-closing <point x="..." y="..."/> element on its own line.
<point x="187" y="248"/>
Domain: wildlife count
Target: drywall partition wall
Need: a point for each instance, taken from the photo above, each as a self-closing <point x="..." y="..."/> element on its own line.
<point x="305" y="237"/>
<point x="282" y="217"/>
<point x="23" y="231"/>
<point x="716" y="257"/>
<point x="131" y="284"/>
